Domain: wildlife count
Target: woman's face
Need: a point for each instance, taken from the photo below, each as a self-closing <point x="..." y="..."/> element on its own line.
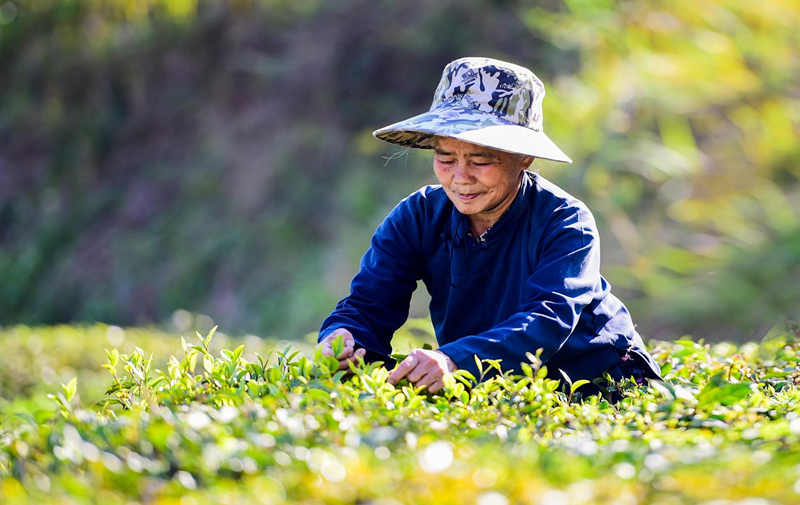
<point x="480" y="181"/>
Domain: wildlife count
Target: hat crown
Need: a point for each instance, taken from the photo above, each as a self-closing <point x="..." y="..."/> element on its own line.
<point x="511" y="92"/>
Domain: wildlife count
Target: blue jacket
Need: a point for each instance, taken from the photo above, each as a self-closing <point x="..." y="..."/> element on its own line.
<point x="534" y="282"/>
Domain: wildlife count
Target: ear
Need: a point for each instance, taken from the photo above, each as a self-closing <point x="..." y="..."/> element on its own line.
<point x="525" y="162"/>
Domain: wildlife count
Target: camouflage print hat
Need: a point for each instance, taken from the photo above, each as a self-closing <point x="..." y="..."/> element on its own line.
<point x="486" y="102"/>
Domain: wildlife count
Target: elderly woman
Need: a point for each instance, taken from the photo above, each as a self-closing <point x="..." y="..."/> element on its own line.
<point x="511" y="261"/>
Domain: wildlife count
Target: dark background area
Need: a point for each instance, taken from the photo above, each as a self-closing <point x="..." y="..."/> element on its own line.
<point x="217" y="157"/>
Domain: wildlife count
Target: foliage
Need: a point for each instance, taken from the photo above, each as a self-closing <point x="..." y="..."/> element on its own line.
<point x="684" y="117"/>
<point x="225" y="426"/>
<point x="217" y="156"/>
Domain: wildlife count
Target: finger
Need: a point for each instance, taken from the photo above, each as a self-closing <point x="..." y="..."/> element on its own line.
<point x="421" y="370"/>
<point x="345" y="364"/>
<point x="427" y="379"/>
<point x="402" y="369"/>
<point x="344" y="361"/>
<point x="349" y="341"/>
<point x="437" y="386"/>
<point x="325" y="347"/>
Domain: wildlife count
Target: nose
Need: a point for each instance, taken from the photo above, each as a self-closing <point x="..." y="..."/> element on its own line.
<point x="461" y="173"/>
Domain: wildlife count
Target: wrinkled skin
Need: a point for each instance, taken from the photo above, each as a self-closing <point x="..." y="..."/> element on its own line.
<point x="349" y="355"/>
<point x="481" y="182"/>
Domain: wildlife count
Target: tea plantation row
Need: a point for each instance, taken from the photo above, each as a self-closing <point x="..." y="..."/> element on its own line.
<point x="195" y="423"/>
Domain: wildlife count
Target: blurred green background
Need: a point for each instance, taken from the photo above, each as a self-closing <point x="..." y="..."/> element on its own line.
<point x="165" y="158"/>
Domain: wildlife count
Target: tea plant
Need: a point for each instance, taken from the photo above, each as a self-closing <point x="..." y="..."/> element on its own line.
<point x="224" y="425"/>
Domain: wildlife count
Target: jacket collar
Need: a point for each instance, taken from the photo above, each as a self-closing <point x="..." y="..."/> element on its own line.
<point x="459" y="223"/>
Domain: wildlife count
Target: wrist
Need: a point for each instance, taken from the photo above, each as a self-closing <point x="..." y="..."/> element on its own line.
<point x="451" y="365"/>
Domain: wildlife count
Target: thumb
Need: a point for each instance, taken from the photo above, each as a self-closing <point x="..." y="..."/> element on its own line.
<point x="361" y="352"/>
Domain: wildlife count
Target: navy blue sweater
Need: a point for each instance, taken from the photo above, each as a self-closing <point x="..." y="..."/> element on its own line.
<point x="534" y="282"/>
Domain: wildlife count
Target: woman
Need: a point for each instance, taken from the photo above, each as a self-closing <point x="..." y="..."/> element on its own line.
<point x="511" y="261"/>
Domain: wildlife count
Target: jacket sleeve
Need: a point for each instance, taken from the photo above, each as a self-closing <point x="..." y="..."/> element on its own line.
<point x="381" y="291"/>
<point x="565" y="279"/>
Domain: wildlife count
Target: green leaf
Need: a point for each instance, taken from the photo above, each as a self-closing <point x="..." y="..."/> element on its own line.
<point x="337" y="346"/>
<point x="134" y="370"/>
<point x="578" y="383"/>
<point x="208" y="364"/>
<point x="319" y="395"/>
<point x="28" y="418"/>
<point x="156" y="381"/>
<point x="274" y="374"/>
<point x="665" y="388"/>
<point x="465" y="377"/>
<point x="70" y="389"/>
<point x="399" y="356"/>
<point x="113" y="357"/>
<point x="211" y="333"/>
<point x="527" y="370"/>
<point x="542" y="372"/>
<point x="113" y="388"/>
<point x="192" y="362"/>
<point x="718" y="392"/>
<point x="495" y="363"/>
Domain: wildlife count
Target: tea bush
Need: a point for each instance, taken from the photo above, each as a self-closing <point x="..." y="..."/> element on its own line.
<point x="186" y="420"/>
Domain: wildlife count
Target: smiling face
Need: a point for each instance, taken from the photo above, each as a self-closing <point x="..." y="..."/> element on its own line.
<point x="481" y="182"/>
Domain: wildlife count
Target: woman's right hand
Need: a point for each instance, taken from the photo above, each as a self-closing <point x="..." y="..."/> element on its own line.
<point x="349" y="354"/>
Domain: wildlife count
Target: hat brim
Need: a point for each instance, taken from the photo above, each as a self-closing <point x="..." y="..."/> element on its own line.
<point x="473" y="126"/>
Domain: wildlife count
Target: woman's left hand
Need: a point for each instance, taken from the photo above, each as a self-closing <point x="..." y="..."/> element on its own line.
<point x="424" y="368"/>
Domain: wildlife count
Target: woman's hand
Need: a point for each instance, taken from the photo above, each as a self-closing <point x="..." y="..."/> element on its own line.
<point x="349" y="354"/>
<point x="424" y="368"/>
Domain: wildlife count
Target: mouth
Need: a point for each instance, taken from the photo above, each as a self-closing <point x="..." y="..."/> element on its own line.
<point x="467" y="197"/>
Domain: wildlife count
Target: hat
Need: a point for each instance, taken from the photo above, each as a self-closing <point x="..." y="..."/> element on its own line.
<point x="483" y="101"/>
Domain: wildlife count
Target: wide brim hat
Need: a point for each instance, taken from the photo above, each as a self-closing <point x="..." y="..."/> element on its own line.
<point x="482" y="101"/>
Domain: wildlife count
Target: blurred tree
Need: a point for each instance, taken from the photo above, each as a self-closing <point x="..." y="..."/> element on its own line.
<point x="217" y="156"/>
<point x="685" y="117"/>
